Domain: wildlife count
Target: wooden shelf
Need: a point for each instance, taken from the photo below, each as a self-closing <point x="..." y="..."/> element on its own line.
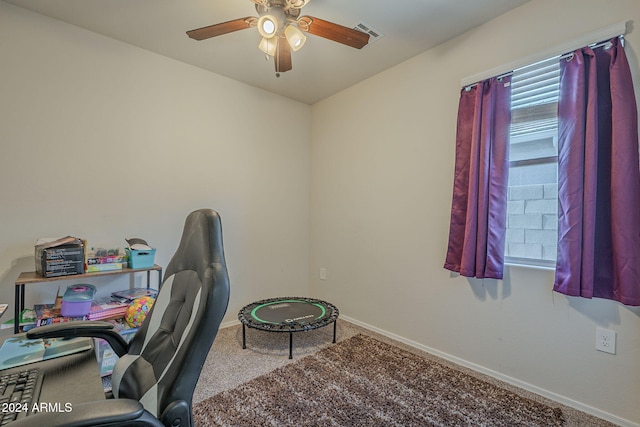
<point x="30" y="277"/>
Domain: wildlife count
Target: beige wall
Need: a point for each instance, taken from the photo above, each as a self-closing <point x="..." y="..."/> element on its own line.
<point x="381" y="181"/>
<point x="102" y="140"/>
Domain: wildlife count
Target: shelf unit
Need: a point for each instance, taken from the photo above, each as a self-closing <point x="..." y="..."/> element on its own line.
<point x="30" y="277"/>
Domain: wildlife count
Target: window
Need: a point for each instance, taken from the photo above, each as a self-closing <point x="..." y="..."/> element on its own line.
<point x="532" y="205"/>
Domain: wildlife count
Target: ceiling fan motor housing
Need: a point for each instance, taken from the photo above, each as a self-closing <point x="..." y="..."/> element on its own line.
<point x="280" y="11"/>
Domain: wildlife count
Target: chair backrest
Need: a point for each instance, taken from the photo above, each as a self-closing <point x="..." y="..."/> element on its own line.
<point x="167" y="353"/>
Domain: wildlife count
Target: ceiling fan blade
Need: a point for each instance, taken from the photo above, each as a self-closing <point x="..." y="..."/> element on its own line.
<point x="282" y="57"/>
<point x="222" y="28"/>
<point x="335" y="32"/>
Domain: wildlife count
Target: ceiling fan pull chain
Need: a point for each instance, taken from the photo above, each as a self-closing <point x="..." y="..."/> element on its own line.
<point x="277" y="59"/>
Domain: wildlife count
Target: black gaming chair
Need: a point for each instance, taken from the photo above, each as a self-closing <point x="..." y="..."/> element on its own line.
<point x="154" y="379"/>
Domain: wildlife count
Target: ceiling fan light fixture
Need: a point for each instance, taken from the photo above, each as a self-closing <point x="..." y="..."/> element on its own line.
<point x="295" y="37"/>
<point x="267" y="26"/>
<point x="268" y="45"/>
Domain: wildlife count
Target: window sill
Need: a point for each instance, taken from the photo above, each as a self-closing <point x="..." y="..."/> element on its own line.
<point x="526" y="263"/>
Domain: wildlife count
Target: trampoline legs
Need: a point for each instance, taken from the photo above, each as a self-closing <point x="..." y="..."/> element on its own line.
<point x="244" y="337"/>
<point x="290" y="345"/>
<point x="334" y="331"/>
<point x="244" y="340"/>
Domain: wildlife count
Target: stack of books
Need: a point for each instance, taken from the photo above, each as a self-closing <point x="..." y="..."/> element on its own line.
<point x="107" y="308"/>
<point x="129" y="295"/>
<point x="105" y="260"/>
<point x="48" y="314"/>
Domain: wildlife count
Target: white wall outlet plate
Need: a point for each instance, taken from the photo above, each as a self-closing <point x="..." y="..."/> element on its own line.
<point x="606" y="340"/>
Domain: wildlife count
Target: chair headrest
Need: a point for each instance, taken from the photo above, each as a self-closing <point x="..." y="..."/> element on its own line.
<point x="201" y="244"/>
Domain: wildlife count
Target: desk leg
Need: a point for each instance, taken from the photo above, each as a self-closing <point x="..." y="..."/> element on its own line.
<point x="16" y="306"/>
<point x="244" y="337"/>
<point x="290" y="345"/>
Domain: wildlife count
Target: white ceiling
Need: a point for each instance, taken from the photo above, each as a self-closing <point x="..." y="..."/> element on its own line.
<point x="320" y="69"/>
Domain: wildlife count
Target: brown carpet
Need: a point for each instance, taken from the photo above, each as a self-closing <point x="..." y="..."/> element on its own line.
<point x="365" y="382"/>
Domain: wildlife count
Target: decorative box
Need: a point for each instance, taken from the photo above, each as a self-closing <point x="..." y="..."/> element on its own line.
<point x="141" y="258"/>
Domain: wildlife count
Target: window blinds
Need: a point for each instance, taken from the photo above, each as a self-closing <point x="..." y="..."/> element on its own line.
<point x="534" y="97"/>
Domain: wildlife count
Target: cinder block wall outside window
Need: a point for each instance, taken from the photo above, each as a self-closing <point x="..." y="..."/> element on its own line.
<point x="532" y="221"/>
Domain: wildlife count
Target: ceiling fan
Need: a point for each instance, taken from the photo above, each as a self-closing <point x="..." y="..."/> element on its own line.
<point x="282" y="30"/>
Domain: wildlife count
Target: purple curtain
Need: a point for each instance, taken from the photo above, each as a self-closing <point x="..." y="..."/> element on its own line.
<point x="479" y="206"/>
<point x="598" y="177"/>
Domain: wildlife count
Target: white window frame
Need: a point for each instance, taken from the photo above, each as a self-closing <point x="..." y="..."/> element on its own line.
<point x="536" y="100"/>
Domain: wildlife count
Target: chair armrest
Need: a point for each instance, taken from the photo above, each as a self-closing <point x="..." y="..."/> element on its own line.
<point x="92" y="414"/>
<point x="92" y="329"/>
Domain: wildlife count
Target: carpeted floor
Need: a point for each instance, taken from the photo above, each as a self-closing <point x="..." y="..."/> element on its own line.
<point x="228" y="366"/>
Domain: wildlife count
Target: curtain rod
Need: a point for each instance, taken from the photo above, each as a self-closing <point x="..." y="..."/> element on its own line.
<point x="605" y="44"/>
<point x="596" y="36"/>
<point x="559" y="57"/>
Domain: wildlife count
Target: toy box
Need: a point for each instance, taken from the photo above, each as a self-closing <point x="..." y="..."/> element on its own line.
<point x="77" y="300"/>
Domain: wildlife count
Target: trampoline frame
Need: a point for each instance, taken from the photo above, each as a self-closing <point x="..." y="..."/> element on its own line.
<point x="252" y="321"/>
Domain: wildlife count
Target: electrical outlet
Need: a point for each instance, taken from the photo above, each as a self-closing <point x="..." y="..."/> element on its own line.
<point x="606" y="340"/>
<point x="323" y="273"/>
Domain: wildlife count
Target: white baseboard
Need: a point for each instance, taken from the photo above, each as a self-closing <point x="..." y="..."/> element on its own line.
<point x="497" y="375"/>
<point x="229" y="323"/>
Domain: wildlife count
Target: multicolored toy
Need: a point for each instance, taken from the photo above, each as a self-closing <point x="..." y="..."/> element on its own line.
<point x="138" y="310"/>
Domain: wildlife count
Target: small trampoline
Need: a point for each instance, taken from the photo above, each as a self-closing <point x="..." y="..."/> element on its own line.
<point x="287" y="314"/>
